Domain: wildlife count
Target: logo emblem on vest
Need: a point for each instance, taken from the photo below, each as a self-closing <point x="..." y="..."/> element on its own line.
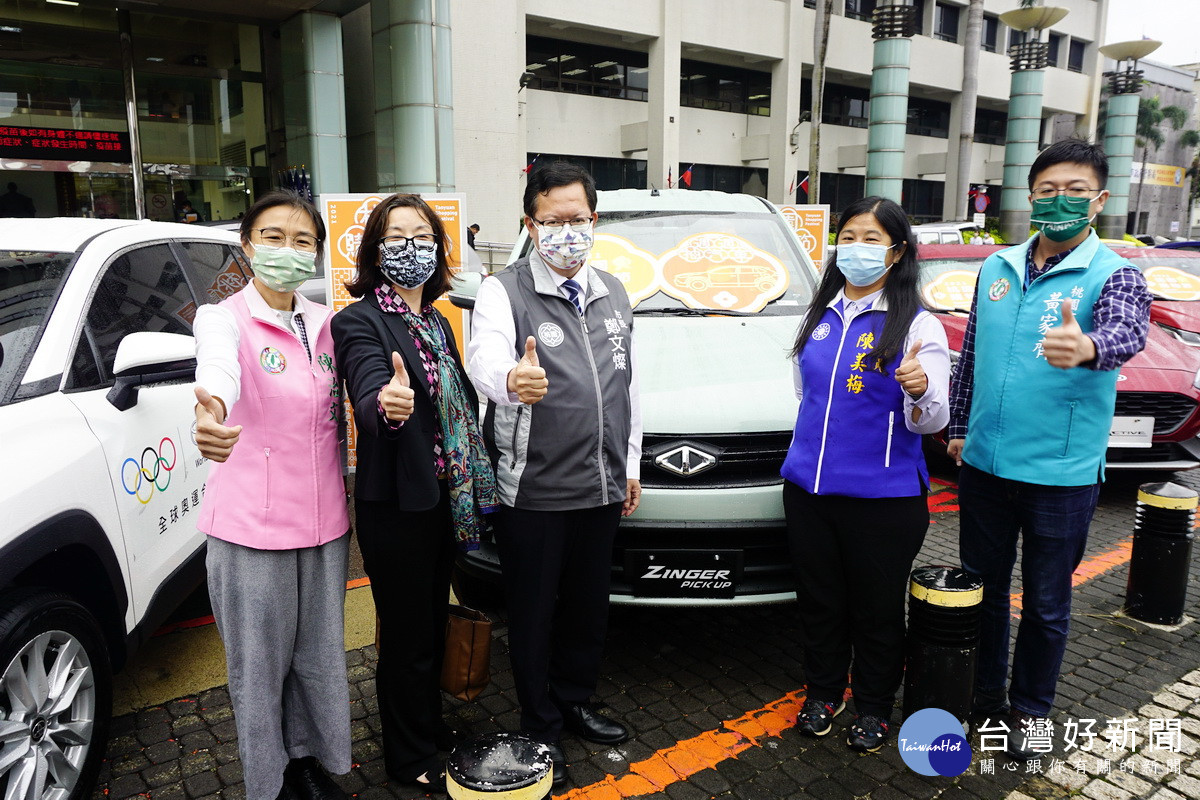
<point x="550" y="334"/>
<point x="821" y="331"/>
<point x="272" y="361"/>
<point x="998" y="289"/>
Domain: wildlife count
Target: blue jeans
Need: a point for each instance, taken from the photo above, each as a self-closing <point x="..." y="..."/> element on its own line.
<point x="1054" y="521"/>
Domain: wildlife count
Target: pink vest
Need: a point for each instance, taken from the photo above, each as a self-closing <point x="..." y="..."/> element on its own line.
<point x="281" y="487"/>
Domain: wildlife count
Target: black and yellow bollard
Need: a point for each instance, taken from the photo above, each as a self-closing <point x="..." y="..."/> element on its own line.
<point x="1162" y="553"/>
<point x="943" y="631"/>
<point x="499" y="766"/>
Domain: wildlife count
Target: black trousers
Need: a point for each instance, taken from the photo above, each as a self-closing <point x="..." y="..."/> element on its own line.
<point x="852" y="557"/>
<point x="557" y="571"/>
<point x="408" y="557"/>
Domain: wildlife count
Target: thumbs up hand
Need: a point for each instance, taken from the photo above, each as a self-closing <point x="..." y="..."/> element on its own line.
<point x="910" y="375"/>
<point x="397" y="395"/>
<point x="214" y="439"/>
<point x="1066" y="345"/>
<point x="527" y="379"/>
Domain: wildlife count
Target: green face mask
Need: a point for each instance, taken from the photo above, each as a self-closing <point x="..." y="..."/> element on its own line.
<point x="1061" y="218"/>
<point x="282" y="268"/>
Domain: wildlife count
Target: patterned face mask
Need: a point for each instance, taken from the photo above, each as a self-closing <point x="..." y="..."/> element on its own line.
<point x="409" y="264"/>
<point x="282" y="269"/>
<point x="565" y="249"/>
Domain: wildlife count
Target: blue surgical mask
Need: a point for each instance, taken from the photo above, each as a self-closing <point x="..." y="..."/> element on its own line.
<point x="862" y="264"/>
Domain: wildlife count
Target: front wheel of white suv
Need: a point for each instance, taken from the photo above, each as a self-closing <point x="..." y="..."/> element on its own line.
<point x="55" y="697"/>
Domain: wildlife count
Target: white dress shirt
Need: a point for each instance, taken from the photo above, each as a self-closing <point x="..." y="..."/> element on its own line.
<point x="934" y="356"/>
<point x="490" y="352"/>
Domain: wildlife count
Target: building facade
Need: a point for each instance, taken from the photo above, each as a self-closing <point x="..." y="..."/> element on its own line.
<point x="465" y="94"/>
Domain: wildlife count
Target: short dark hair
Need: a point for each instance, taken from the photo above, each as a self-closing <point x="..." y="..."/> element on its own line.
<point x="1071" y="151"/>
<point x="367" y="275"/>
<point x="554" y="175"/>
<point x="474" y="226"/>
<point x="280" y="197"/>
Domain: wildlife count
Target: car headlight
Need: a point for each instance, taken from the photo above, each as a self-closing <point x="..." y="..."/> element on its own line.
<point x="1187" y="337"/>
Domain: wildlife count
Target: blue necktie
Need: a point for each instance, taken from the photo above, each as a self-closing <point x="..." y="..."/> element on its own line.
<point x="573" y="291"/>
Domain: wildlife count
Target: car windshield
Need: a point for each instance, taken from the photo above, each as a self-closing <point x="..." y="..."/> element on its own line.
<point x="948" y="284"/>
<point x="1170" y="278"/>
<point x="684" y="262"/>
<point x="28" y="284"/>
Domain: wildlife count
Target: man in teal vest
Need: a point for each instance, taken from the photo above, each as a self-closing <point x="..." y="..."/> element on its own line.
<point x="1031" y="405"/>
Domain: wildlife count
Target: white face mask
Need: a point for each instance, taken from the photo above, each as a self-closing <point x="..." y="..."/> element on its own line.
<point x="862" y="264"/>
<point x="565" y="249"/>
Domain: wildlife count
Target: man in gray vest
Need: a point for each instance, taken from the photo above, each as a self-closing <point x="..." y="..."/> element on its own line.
<point x="552" y="350"/>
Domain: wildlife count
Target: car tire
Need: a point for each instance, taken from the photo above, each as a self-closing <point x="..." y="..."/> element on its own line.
<point x="475" y="592"/>
<point x="55" y="695"/>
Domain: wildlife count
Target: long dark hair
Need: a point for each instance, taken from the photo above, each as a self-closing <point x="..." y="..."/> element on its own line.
<point x="899" y="291"/>
<point x="367" y="274"/>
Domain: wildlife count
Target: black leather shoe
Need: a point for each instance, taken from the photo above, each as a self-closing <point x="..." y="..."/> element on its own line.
<point x="587" y="723"/>
<point x="560" y="765"/>
<point x="310" y="782"/>
<point x="446" y="737"/>
<point x="434" y="783"/>
<point x="1018" y="745"/>
<point x="287" y="791"/>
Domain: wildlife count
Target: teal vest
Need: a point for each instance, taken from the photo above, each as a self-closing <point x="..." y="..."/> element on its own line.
<point x="1032" y="422"/>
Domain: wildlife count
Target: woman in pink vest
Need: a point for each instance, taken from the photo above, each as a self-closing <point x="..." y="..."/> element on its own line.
<point x="275" y="508"/>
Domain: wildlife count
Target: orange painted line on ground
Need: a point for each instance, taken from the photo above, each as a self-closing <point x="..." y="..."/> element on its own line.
<point x="684" y="759"/>
<point x="200" y="622"/>
<point x="1090" y="567"/>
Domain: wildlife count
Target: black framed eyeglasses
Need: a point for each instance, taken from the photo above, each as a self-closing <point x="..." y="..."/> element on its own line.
<point x="422" y="241"/>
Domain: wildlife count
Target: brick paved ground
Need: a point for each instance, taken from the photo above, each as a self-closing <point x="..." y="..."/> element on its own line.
<point x="673" y="675"/>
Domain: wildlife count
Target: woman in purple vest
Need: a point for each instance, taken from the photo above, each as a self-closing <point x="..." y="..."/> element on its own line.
<point x="424" y="478"/>
<point x="871" y="369"/>
<point x="274" y="509"/>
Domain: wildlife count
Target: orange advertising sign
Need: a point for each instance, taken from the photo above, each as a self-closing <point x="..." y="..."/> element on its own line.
<point x="811" y="224"/>
<point x="952" y="289"/>
<point x="634" y="267"/>
<point x="345" y="220"/>
<point x="1172" y="284"/>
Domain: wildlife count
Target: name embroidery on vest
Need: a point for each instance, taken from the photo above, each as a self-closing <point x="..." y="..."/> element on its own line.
<point x="1050" y="314"/>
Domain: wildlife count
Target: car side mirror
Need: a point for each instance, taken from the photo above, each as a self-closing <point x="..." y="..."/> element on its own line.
<point x="464" y="288"/>
<point x="146" y="358"/>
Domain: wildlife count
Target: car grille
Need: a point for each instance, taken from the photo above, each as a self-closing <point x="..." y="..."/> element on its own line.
<point x="1169" y="410"/>
<point x="742" y="460"/>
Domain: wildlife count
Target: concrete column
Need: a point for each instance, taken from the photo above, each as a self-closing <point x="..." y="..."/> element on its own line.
<point x="952" y="205"/>
<point x="892" y="29"/>
<point x="314" y="99"/>
<point x="786" y="77"/>
<point x="1022" y="136"/>
<point x="414" y="109"/>
<point x="662" y="128"/>
<point x="1120" y="133"/>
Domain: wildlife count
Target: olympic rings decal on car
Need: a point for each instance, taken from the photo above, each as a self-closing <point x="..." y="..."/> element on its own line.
<point x="149" y="470"/>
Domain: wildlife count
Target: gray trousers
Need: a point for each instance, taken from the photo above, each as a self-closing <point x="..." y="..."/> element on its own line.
<point x="281" y="616"/>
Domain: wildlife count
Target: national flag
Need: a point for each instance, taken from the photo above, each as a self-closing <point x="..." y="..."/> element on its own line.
<point x="529" y="166"/>
<point x="686" y="177"/>
<point x="804" y="184"/>
<point x="668" y="177"/>
<point x="792" y="185"/>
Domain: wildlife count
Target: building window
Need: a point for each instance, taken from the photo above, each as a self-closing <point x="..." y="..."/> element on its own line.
<point x="609" y="173"/>
<point x="928" y="118"/>
<point x="923" y="199"/>
<point x="839" y="190"/>
<point x="720" y="88"/>
<point x="860" y="9"/>
<point x="1015" y="38"/>
<point x="945" y="22"/>
<point x="562" y="66"/>
<point x="1075" y="57"/>
<point x="919" y="5"/>
<point x="991" y="33"/>
<point x="1055" y="46"/>
<point x="846" y="105"/>
<point x="990" y="126"/>
<point x="746" y="180"/>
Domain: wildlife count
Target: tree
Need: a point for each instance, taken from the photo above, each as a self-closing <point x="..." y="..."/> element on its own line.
<point x="1151" y="115"/>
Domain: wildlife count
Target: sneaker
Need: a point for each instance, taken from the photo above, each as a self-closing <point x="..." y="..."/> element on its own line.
<point x="816" y="718"/>
<point x="867" y="734"/>
<point x="1021" y="727"/>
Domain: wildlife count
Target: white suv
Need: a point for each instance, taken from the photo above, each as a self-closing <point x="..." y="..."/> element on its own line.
<point x="99" y="477"/>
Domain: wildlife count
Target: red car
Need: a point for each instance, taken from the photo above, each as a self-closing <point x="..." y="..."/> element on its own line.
<point x="1174" y="278"/>
<point x="1157" y="416"/>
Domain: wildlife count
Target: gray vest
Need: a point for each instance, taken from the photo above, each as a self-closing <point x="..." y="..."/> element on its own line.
<point x="567" y="451"/>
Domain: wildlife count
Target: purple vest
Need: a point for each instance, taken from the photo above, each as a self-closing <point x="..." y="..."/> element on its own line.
<point x="850" y="436"/>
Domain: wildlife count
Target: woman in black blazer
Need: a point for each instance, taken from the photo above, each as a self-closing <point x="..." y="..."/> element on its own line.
<point x="424" y="480"/>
